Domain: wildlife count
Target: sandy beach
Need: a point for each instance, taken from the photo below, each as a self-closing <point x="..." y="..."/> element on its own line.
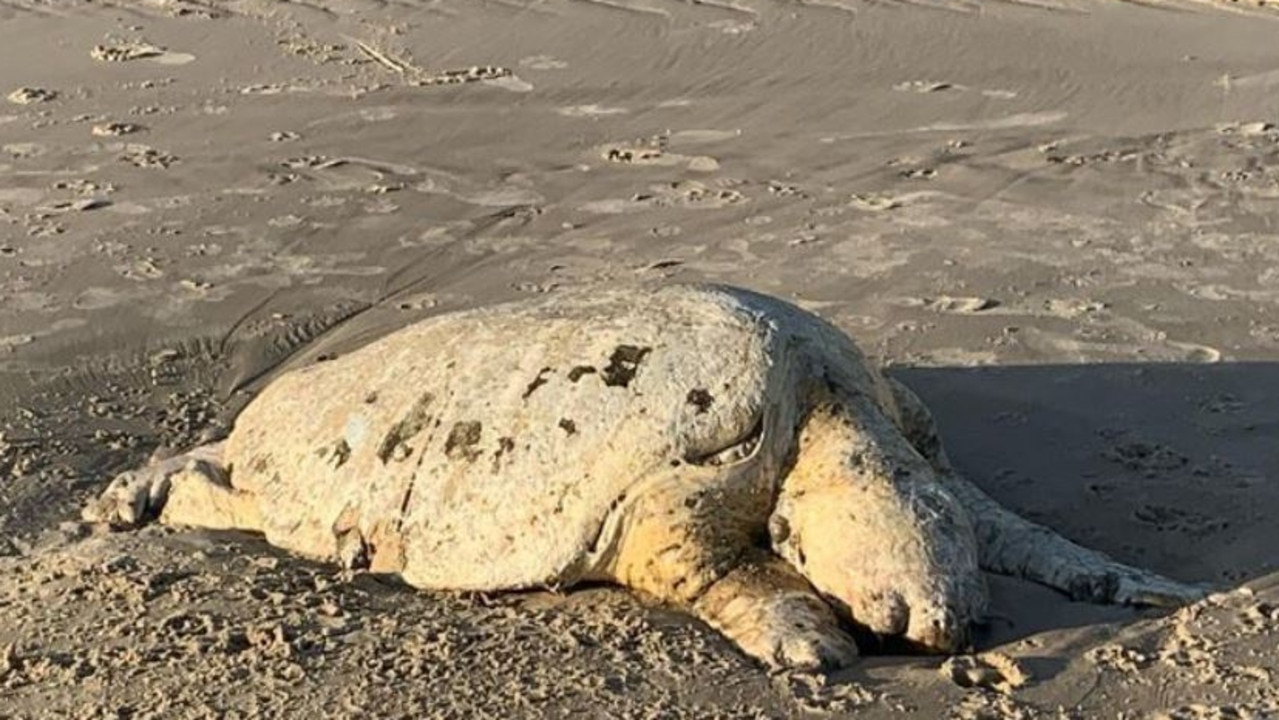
<point x="1056" y="220"/>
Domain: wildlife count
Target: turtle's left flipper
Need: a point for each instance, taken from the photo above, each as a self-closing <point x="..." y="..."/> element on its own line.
<point x="1011" y="545"/>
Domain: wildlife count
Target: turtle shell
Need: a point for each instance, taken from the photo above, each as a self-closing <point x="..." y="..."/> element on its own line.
<point x="486" y="449"/>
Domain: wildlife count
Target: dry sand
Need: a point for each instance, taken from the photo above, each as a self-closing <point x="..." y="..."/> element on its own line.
<point x="1056" y="218"/>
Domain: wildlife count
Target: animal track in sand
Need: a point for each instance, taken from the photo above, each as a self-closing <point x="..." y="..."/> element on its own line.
<point x="874" y="202"/>
<point x="143" y="156"/>
<point x="989" y="671"/>
<point x="1200" y="711"/>
<point x="82" y="205"/>
<point x="115" y="129"/>
<point x="689" y="194"/>
<point x="477" y="73"/>
<point x="1170" y="519"/>
<point x="655" y="150"/>
<point x="318" y="52"/>
<point x="818" y="695"/>
<point x="127" y="50"/>
<point x="1072" y="308"/>
<point x="1151" y="458"/>
<point x="925" y="173"/>
<point x="31" y="95"/>
<point x="953" y="305"/>
<point x="657" y="156"/>
<point x="638" y="155"/>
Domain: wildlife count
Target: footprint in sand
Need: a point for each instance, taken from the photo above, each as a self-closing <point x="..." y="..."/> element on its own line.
<point x="128" y="50"/>
<point x="489" y="74"/>
<point x="987" y="671"/>
<point x="146" y="157"/>
<point x="421" y="301"/>
<point x="1249" y="129"/>
<point x="953" y="305"/>
<point x="919" y="173"/>
<point x="1164" y="518"/>
<point x="777" y="188"/>
<point x="688" y="194"/>
<point x="1200" y="711"/>
<point x="656" y="150"/>
<point x="874" y="202"/>
<point x="1150" y="458"/>
<point x="115" y="129"/>
<point x="657" y="156"/>
<point x="31" y="96"/>
<point x="69" y="206"/>
<point x="1071" y="309"/>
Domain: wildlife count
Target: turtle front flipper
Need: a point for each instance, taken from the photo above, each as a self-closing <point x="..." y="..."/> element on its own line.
<point x="689" y="537"/>
<point x="1009" y="544"/>
<point x="771" y="612"/>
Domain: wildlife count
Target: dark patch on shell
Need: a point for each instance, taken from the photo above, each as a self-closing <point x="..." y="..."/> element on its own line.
<point x="537" y="382"/>
<point x="462" y="441"/>
<point x="623" y="364"/>
<point x="700" y="399"/>
<point x="568" y="426"/>
<point x="396" y="443"/>
<point x="341" y="453"/>
<point x="577" y="372"/>
<point x="504" y="447"/>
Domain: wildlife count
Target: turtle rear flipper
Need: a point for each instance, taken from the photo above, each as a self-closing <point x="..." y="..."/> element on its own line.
<point x="143" y="495"/>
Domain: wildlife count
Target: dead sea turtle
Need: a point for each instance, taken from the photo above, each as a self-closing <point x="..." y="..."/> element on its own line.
<point x="714" y="448"/>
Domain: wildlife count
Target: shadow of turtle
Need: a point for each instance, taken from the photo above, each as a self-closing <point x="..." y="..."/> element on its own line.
<point x="1173" y="467"/>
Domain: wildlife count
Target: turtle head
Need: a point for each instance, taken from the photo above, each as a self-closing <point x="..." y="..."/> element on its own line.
<point x="896" y="559"/>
